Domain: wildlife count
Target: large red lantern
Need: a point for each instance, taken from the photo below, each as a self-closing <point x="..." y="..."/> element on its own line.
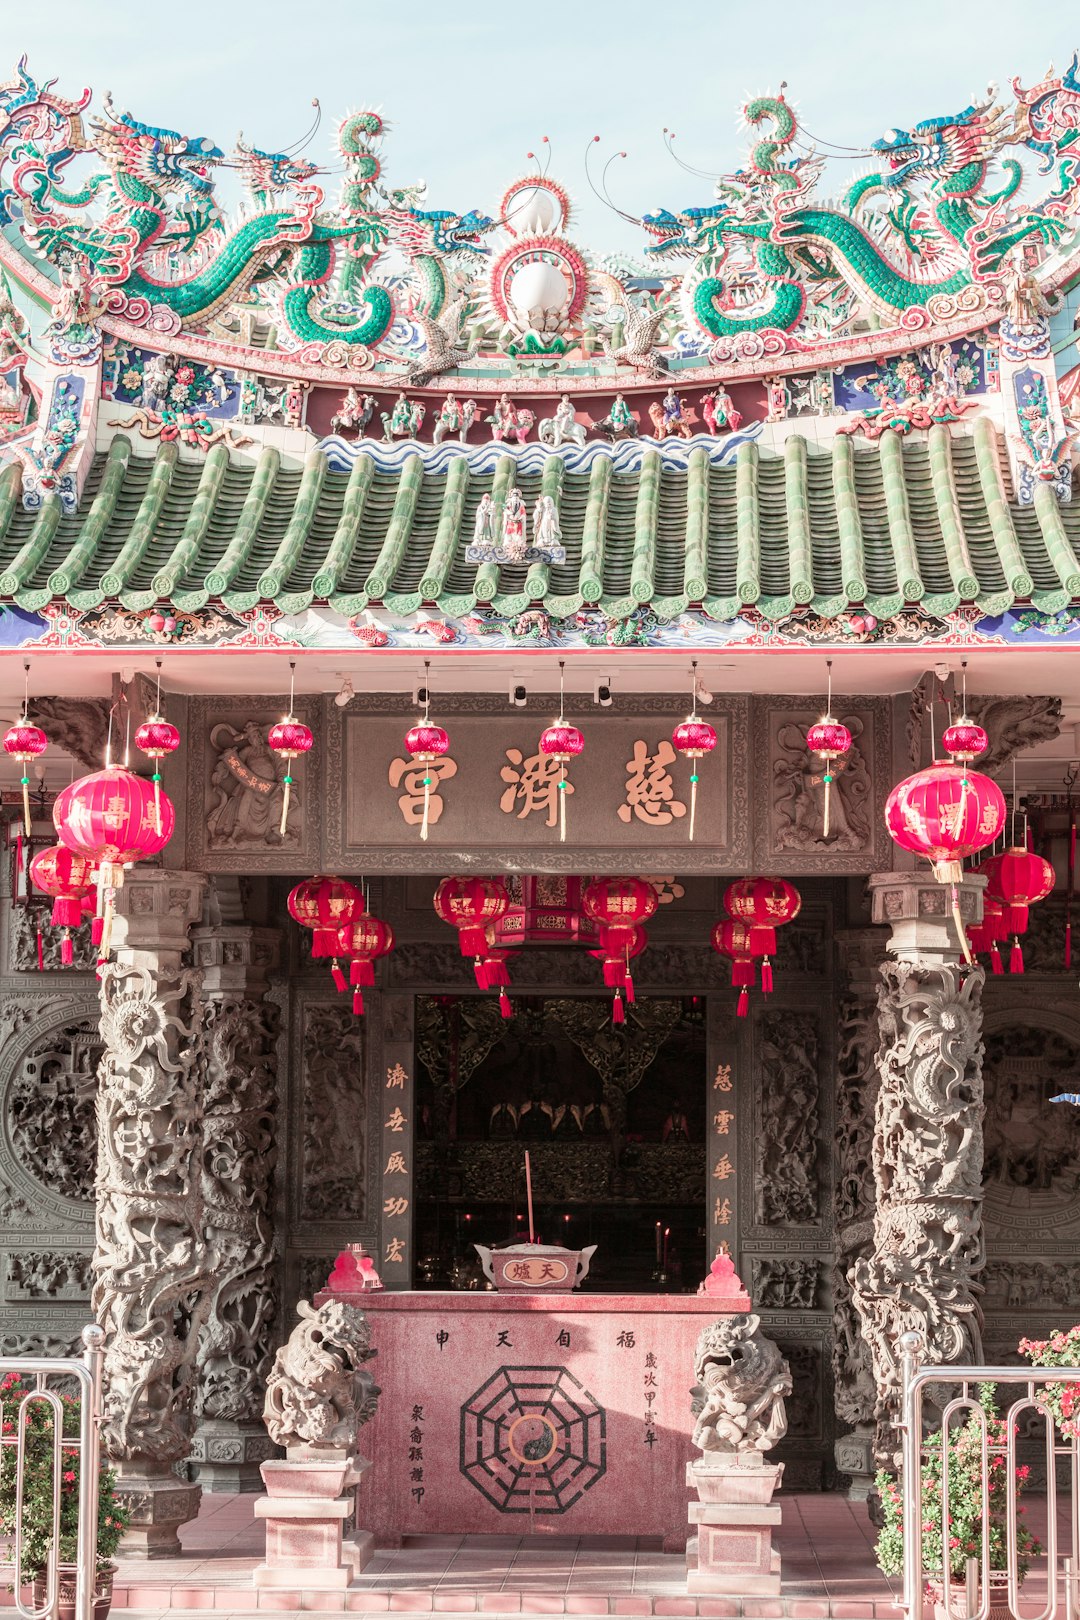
<point x="363" y="940"/>
<point x="621" y="906"/>
<point x="737" y="941"/>
<point x="764" y="904"/>
<point x="469" y="904"/>
<point x="68" y="879"/>
<point x="156" y="738"/>
<point x="325" y="904"/>
<point x="945" y="813"/>
<point x="1017" y="879"/>
<point x="109" y="817"/>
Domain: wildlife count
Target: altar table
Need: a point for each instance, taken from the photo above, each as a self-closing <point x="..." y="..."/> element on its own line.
<point x="523" y="1414"/>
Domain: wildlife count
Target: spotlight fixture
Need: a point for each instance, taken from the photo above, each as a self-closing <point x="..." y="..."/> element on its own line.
<point x="346" y="694"/>
<point x="703" y="695"/>
<point x="518" y="695"/>
<point x="602" y="694"/>
<point x="421" y="695"/>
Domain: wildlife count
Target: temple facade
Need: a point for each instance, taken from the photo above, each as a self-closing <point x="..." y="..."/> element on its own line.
<point x="367" y="465"/>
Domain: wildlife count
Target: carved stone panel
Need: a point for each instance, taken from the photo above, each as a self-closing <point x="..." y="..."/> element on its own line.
<point x="334" y="1113"/>
<point x="30" y="921"/>
<point x="48" y="1134"/>
<point x="789" y="784"/>
<point x="787" y="1188"/>
<point x="47" y="1274"/>
<point x="784" y="1284"/>
<point x="235" y="800"/>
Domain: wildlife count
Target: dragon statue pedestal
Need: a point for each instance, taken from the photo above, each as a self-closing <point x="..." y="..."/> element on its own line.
<point x="739" y="1412"/>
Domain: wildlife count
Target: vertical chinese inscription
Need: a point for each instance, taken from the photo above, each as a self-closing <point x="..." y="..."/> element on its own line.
<point x="721" y="1159"/>
<point x="396" y="1105"/>
<point x="416" y="1454"/>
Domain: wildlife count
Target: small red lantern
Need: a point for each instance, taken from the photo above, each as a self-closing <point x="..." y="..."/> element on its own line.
<point x="23" y="743"/>
<point x="469" y="904"/>
<point x="290" y="738"/>
<point x="325" y="904"/>
<point x="965" y="741"/>
<point x="562" y="742"/>
<point x="736" y="940"/>
<point x="830" y="741"/>
<point x="1017" y="879"/>
<point x="363" y="940"/>
<point x="155" y="738"/>
<point x="68" y="879"/>
<point x="693" y="739"/>
<point x="621" y="906"/>
<point x="764" y="904"/>
<point x="109" y="817"/>
<point x="616" y="961"/>
<point x="426" y="742"/>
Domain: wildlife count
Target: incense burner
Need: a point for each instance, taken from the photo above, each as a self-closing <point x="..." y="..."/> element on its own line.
<point x="535" y="1267"/>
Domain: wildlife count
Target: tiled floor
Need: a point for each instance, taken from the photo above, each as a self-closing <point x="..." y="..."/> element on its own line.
<point x="826" y="1546"/>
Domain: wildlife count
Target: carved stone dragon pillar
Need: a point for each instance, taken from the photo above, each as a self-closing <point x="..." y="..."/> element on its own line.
<point x="238" y="1063"/>
<point x="151" y="1261"/>
<point x="928" y="1145"/>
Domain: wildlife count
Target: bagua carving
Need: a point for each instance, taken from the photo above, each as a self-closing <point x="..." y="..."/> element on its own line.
<point x="798" y="802"/>
<point x="928" y="1160"/>
<point x="45" y="1274"/>
<point x="248" y="783"/>
<point x="51" y="1103"/>
<point x="786" y="1134"/>
<point x="785" y="1284"/>
<point x="741" y="1380"/>
<point x="32" y="921"/>
<point x="237" y="1047"/>
<point x="151" y="1257"/>
<point x="334" y="1111"/>
<point x="320" y="1392"/>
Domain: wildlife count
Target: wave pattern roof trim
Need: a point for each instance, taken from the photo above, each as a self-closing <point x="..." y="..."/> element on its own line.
<point x="933" y="522"/>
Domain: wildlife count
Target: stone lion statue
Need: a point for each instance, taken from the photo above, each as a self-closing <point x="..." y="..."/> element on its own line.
<point x="319" y="1392"/>
<point x="738" y="1400"/>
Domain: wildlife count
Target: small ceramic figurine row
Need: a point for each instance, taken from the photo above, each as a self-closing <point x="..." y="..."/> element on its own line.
<point x="512" y="424"/>
<point x="512" y="545"/>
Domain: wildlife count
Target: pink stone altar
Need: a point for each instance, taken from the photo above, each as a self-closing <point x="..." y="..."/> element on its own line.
<point x="523" y="1413"/>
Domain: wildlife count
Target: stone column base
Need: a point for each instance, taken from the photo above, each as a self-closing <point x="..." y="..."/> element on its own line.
<point x="734" y="1518"/>
<point x="307" y="1506"/>
<point x="159" y="1505"/>
<point x="854" y="1454"/>
<point x="225" y="1456"/>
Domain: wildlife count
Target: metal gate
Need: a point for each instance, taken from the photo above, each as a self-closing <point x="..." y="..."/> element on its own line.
<point x="972" y="1597"/>
<point x="40" y="1376"/>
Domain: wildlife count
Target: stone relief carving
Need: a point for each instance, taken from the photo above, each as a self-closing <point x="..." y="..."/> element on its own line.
<point x="78" y="725"/>
<point x="313" y="1271"/>
<point x="852" y="1364"/>
<point x="804" y="1361"/>
<point x="1044" y="940"/>
<point x="51" y="1101"/>
<point x="798" y="794"/>
<point x="151" y="1256"/>
<point x="1012" y="724"/>
<point x="1028" y="1140"/>
<point x="239" y="1153"/>
<point x="335" y="1102"/>
<point x="247" y="786"/>
<point x="47" y="1274"/>
<point x="661" y="967"/>
<point x="25" y="923"/>
<point x="784" y="1284"/>
<point x="928" y="1151"/>
<point x="1029" y="1285"/>
<point x="320" y="1392"/>
<point x="741" y="1381"/>
<point x="856" y="1095"/>
<point x="40" y="1344"/>
<point x="786" y="1189"/>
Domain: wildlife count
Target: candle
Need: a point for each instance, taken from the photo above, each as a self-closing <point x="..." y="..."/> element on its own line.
<point x="667" y="1234"/>
<point x="528" y="1197"/>
<point x="658" y="1256"/>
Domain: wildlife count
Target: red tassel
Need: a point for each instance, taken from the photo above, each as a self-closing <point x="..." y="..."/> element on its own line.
<point x="766" y="976"/>
<point x="613" y="972"/>
<point x="744" y="1004"/>
<point x="19" y="857"/>
<point x="67" y="949"/>
<point x="337" y="976"/>
<point x="497" y="976"/>
<point x="1016" y="958"/>
<point x="1068" y="944"/>
<point x="481" y="972"/>
<point x="618" y="1013"/>
<point x="628" y="986"/>
<point x="40" y="953"/>
<point x="358" y="1002"/>
<point x="742" y="973"/>
<point x="995" y="958"/>
<point x="97" y="928"/>
<point x="361" y="971"/>
<point x="505" y="1008"/>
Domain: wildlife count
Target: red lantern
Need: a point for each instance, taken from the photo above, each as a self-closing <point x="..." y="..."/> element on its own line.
<point x="469" y="905"/>
<point x="325" y="904"/>
<point x="363" y="940"/>
<point x="67" y="878"/>
<point x="23" y="743"/>
<point x="616" y="961"/>
<point x="992" y="930"/>
<point x="426" y="742"/>
<point x="109" y="817"/>
<point x="290" y="738"/>
<point x="946" y="812"/>
<point x="621" y="906"/>
<point x="830" y="741"/>
<point x="1017" y="879"/>
<point x="965" y="740"/>
<point x="693" y="739"/>
<point x="155" y="738"/>
<point x="562" y="743"/>
<point x="764" y="904"/>
<point x="736" y="940"/>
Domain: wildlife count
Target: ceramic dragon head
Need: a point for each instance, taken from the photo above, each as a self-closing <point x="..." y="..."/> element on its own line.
<point x="162" y="159"/>
<point x="940" y="147"/>
<point x="266" y="172"/>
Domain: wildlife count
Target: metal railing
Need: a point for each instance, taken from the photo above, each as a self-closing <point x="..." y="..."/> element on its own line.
<point x="36" y="1374"/>
<point x="971" y="1598"/>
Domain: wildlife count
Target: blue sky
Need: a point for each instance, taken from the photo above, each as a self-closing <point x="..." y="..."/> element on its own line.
<point x="470" y="87"/>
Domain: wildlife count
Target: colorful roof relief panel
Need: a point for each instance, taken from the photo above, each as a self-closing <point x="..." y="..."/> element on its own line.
<point x="931" y="522"/>
<point x="112" y="218"/>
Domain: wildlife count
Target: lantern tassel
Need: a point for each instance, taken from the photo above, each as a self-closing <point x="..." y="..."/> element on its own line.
<point x="97" y="923"/>
<point x="743" y="1006"/>
<point x="285" y="803"/>
<point x="1016" y="956"/>
<point x="108" y="911"/>
<point x="425" y="819"/>
<point x="481" y="973"/>
<point x="618" y="1014"/>
<point x="693" y="803"/>
<point x="157" y="804"/>
<point x="628" y="986"/>
<point x="562" y="804"/>
<point x="825" y="819"/>
<point x="995" y="958"/>
<point x="1068" y="944"/>
<point x="67" y="949"/>
<point x="505" y="1008"/>
<point x="766" y="976"/>
<point x="40" y="953"/>
<point x="954" y="897"/>
<point x="337" y="976"/>
<point x="18" y="857"/>
<point x="358" y="1002"/>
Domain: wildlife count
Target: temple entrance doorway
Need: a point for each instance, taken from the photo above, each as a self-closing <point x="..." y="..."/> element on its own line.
<point x="613" y="1117"/>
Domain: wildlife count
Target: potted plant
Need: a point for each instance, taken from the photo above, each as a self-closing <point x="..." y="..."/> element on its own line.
<point x="38" y="1529"/>
<point x="1061" y="1349"/>
<point x="966" y="1512"/>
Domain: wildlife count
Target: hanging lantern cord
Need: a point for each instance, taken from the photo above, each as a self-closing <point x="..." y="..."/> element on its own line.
<point x="288" y="780"/>
<point x="428" y="779"/>
<point x="26" y="757"/>
<point x="954" y="899"/>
